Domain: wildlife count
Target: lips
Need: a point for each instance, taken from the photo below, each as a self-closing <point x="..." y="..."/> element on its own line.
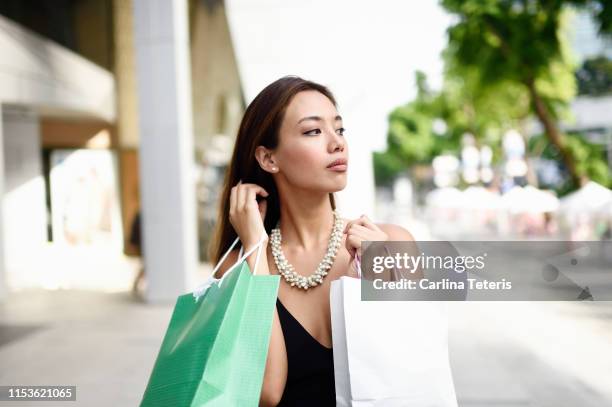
<point x="338" y="162"/>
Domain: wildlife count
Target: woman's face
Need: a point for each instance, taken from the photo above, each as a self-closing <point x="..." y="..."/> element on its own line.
<point x="310" y="139"/>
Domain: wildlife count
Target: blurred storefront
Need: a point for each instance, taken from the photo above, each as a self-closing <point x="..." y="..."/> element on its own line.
<point x="82" y="152"/>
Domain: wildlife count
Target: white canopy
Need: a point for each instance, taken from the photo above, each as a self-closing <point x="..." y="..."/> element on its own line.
<point x="476" y="197"/>
<point x="529" y="199"/>
<point x="447" y="197"/>
<point x="590" y="198"/>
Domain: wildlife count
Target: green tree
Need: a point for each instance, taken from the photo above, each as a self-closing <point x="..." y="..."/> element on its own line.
<point x="595" y="77"/>
<point x="521" y="42"/>
<point x="462" y="106"/>
<point x="591" y="159"/>
<point x="412" y="137"/>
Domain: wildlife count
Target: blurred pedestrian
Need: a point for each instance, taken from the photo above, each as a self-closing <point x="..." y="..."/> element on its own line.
<point x="136" y="242"/>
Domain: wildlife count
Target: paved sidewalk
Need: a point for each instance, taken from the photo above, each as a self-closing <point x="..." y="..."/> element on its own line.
<point x="544" y="354"/>
<point x="502" y="354"/>
<point x="105" y="344"/>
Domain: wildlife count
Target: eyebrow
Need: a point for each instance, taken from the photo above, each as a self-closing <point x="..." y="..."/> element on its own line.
<point x="317" y="118"/>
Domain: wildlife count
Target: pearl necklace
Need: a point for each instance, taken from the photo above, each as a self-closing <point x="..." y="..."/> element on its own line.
<point x="287" y="270"/>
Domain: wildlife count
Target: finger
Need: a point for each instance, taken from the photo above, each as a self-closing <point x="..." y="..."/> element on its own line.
<point x="354" y="242"/>
<point x="240" y="200"/>
<point x="358" y="243"/>
<point x="251" y="196"/>
<point x="348" y="225"/>
<point x="357" y="240"/>
<point x="365" y="221"/>
<point x="263" y="206"/>
<point x="259" y="190"/>
<point x="357" y="229"/>
<point x="233" y="200"/>
<point x="350" y="243"/>
<point x="368" y="223"/>
<point x="348" y="246"/>
<point x="234" y="196"/>
<point x="252" y="191"/>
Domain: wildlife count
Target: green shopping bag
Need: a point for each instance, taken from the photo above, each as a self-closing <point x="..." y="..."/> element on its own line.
<point x="215" y="348"/>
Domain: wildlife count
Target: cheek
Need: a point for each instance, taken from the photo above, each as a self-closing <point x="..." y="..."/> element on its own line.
<point x="303" y="161"/>
<point x="304" y="157"/>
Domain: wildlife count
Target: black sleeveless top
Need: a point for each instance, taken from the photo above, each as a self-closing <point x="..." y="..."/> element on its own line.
<point x="310" y="373"/>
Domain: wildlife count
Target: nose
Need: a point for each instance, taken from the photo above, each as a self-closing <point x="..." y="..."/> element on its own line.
<point x="337" y="143"/>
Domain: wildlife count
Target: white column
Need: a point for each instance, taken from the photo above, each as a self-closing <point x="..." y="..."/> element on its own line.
<point x="166" y="147"/>
<point x="23" y="199"/>
<point x="3" y="287"/>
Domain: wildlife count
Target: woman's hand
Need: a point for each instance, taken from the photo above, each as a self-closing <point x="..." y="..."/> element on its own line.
<point x="362" y="229"/>
<point x="246" y="214"/>
<point x="358" y="230"/>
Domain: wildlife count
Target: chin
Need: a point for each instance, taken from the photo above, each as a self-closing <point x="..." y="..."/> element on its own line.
<point x="339" y="186"/>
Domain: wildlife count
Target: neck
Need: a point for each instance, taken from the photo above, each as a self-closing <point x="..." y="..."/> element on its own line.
<point x="306" y="219"/>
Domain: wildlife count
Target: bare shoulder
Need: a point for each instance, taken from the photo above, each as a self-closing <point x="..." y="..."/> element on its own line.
<point x="229" y="261"/>
<point x="396" y="232"/>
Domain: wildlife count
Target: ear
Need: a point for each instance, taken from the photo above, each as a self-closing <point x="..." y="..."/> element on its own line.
<point x="265" y="158"/>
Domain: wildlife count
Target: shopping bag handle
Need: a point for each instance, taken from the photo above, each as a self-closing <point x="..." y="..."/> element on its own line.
<point x="357" y="264"/>
<point x="198" y="292"/>
<point x="257" y="246"/>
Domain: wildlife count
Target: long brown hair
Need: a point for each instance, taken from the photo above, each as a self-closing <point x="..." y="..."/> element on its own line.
<point x="259" y="126"/>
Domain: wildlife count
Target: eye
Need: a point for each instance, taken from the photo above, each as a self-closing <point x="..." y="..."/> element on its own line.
<point x="311" y="132"/>
<point x="341" y="131"/>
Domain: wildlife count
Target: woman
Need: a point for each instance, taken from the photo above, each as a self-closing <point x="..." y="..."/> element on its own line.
<point x="291" y="155"/>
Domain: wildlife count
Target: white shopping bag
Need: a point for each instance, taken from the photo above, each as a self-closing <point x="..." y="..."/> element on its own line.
<point x="389" y="353"/>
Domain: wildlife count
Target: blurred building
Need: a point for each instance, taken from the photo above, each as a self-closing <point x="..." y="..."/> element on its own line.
<point x="591" y="114"/>
<point x="94" y="93"/>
